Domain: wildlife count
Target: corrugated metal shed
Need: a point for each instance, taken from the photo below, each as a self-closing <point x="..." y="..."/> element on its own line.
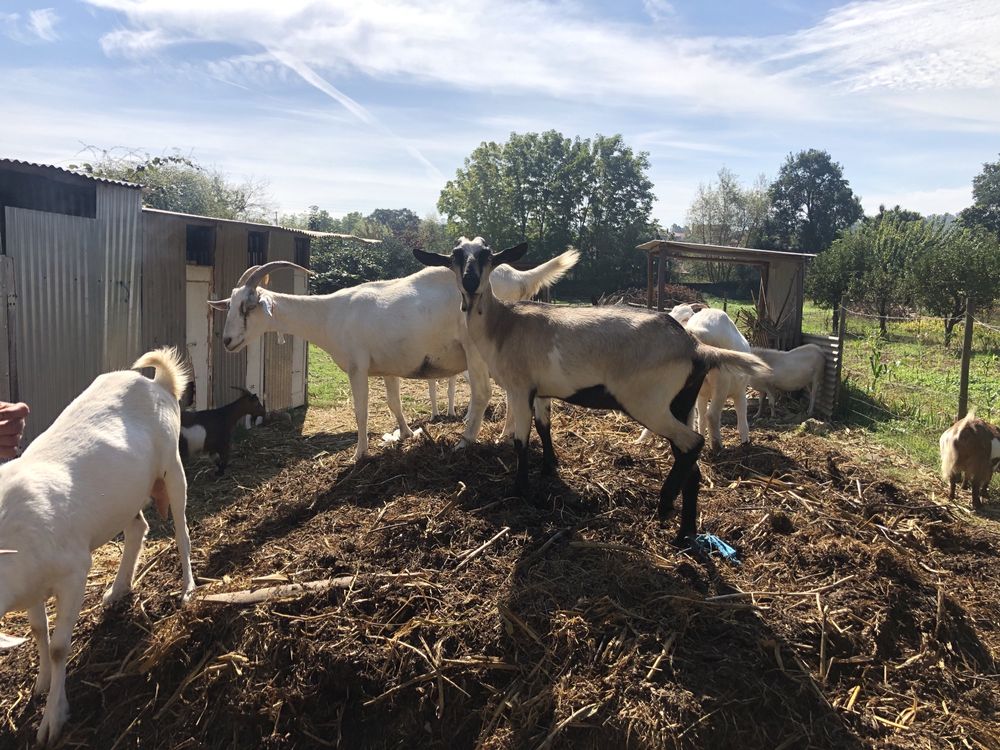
<point x="89" y="280"/>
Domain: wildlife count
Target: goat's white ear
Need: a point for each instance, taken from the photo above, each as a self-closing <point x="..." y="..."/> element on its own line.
<point x="432" y="259"/>
<point x="219" y="304"/>
<point x="268" y="304"/>
<point x="9" y="641"/>
<point x="511" y="254"/>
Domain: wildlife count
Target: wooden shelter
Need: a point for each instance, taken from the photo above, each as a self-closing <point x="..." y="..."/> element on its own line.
<point x="777" y="323"/>
<point x="781" y="294"/>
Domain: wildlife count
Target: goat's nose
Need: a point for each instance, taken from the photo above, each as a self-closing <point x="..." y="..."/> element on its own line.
<point x="227" y="340"/>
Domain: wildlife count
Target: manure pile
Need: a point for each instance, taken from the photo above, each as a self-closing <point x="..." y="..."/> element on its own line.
<point x="864" y="613"/>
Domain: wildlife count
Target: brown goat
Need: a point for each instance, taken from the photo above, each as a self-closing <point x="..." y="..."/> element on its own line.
<point x="970" y="451"/>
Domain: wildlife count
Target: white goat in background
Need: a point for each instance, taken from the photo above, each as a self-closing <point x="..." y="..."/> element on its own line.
<point x="511" y="285"/>
<point x="411" y="327"/>
<point x="801" y="367"/>
<point x="713" y="327"/>
<point x="80" y="482"/>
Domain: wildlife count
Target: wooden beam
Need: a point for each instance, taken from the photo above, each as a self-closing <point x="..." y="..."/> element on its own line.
<point x="649" y="279"/>
<point x="661" y="272"/>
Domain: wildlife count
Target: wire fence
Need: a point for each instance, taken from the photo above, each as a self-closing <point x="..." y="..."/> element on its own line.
<point x="910" y="373"/>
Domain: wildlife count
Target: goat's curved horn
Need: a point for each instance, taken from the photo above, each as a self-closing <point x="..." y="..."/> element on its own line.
<point x="252" y="276"/>
<point x="246" y="275"/>
<point x="244" y="391"/>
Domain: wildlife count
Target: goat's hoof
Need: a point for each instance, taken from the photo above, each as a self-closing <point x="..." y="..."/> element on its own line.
<point x="112" y="597"/>
<point x="53" y="720"/>
<point x="461" y="445"/>
<point x="187" y="596"/>
<point x="683" y="541"/>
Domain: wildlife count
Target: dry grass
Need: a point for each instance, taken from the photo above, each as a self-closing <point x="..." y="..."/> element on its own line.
<point x="865" y="612"/>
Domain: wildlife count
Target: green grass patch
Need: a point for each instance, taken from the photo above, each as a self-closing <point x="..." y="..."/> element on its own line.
<point x="328" y="384"/>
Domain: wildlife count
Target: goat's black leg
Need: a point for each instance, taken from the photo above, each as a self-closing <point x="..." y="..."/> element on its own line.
<point x="976" y="502"/>
<point x="223" y="461"/>
<point x="684" y="474"/>
<point x="951" y="494"/>
<point x="543" y="423"/>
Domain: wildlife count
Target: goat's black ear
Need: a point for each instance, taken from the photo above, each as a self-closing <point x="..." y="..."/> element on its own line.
<point x="432" y="259"/>
<point x="511" y="254"/>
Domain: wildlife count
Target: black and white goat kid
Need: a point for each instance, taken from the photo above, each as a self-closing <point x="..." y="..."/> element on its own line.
<point x="211" y="430"/>
<point x="634" y="361"/>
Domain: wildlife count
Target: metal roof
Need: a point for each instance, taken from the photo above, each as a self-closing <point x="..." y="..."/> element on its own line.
<point x="47" y="169"/>
<point x="734" y="253"/>
<point x="297" y="230"/>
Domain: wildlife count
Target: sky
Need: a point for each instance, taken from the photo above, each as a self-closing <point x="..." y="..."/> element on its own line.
<point x="353" y="106"/>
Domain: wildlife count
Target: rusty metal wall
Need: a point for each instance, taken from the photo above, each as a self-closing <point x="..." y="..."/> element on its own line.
<point x="58" y="310"/>
<point x="119" y="215"/>
<point x="228" y="370"/>
<point x="163" y="313"/>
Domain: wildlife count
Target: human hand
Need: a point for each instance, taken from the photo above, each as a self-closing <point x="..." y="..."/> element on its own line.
<point x="12" y="418"/>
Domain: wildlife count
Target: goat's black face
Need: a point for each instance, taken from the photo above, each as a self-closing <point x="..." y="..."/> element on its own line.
<point x="471" y="261"/>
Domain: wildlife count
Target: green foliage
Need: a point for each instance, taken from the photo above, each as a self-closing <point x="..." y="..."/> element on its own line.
<point x="810" y="203"/>
<point x="833" y="272"/>
<point x="964" y="265"/>
<point x="985" y="210"/>
<point x="727" y="213"/>
<point x="178" y="183"/>
<point x="555" y="191"/>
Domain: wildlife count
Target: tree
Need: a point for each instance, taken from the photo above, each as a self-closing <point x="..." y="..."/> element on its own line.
<point x="726" y="213"/>
<point x="555" y="191"/>
<point x="177" y="183"/>
<point x="964" y="266"/>
<point x="833" y="273"/>
<point x="985" y="209"/>
<point x="810" y="203"/>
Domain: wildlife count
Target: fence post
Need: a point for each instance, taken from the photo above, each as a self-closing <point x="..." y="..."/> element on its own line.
<point x="841" y="328"/>
<point x="963" y="388"/>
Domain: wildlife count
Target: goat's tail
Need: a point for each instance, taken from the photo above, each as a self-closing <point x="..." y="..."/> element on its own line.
<point x="734" y="364"/>
<point x="546" y="274"/>
<point x="172" y="374"/>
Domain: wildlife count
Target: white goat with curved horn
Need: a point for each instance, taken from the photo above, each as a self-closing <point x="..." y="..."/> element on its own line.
<point x="411" y="327"/>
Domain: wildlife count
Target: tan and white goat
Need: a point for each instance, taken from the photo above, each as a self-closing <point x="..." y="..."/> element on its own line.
<point x="637" y="362"/>
<point x="970" y="453"/>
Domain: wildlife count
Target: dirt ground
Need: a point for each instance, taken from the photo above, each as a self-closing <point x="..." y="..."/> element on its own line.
<point x="864" y="610"/>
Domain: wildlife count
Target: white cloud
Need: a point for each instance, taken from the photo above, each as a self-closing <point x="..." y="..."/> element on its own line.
<point x="42" y="23"/>
<point x="39" y="26"/>
<point x="914" y="45"/>
<point x="660" y="11"/>
<point x="938" y="201"/>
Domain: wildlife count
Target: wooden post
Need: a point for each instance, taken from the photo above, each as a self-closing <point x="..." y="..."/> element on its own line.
<point x="649" y="279"/>
<point x="841" y="329"/>
<point x="963" y="388"/>
<point x="661" y="272"/>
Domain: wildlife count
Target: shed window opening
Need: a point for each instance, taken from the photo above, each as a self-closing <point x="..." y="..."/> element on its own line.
<point x="200" y="245"/>
<point x="256" y="248"/>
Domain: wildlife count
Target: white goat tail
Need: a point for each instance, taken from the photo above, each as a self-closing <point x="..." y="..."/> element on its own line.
<point x="548" y="273"/>
<point x="172" y="373"/>
<point x="733" y="363"/>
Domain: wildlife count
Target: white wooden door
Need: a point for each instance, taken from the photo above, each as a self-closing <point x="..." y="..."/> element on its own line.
<point x="199" y="331"/>
<point x="300" y="350"/>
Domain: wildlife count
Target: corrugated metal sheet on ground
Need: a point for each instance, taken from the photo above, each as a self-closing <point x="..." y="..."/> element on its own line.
<point x="826" y="400"/>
